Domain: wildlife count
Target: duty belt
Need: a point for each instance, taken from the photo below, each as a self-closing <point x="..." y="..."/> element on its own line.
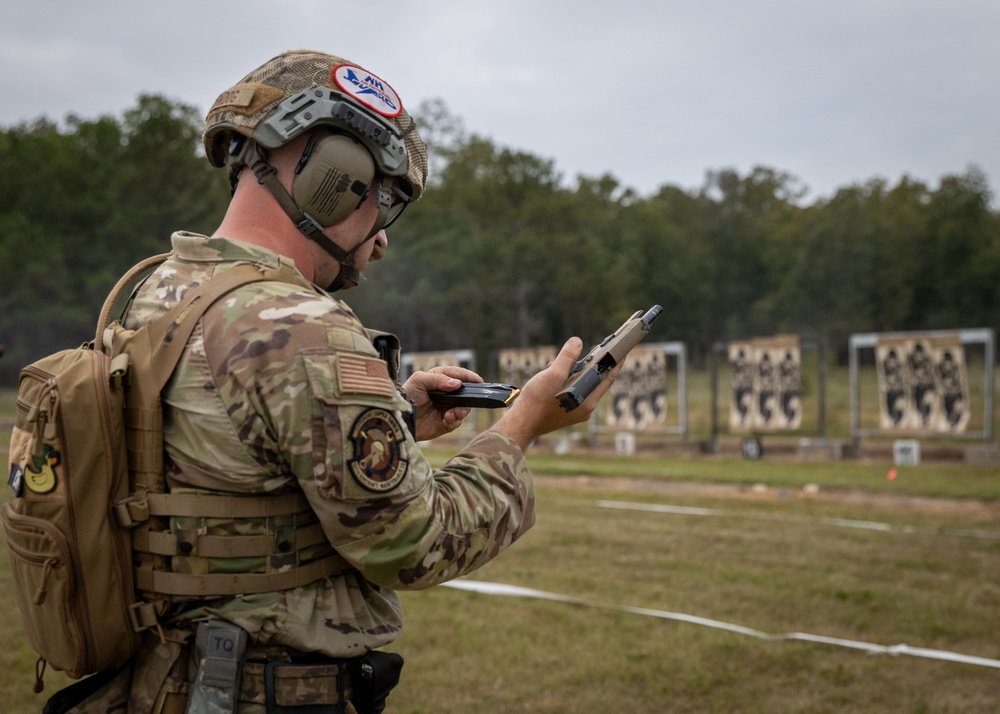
<point x="284" y="686"/>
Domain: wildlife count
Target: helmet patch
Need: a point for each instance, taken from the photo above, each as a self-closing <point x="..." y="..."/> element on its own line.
<point x="368" y="89"/>
<point x="378" y="463"/>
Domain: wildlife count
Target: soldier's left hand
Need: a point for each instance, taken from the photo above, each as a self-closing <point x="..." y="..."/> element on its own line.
<point x="433" y="422"/>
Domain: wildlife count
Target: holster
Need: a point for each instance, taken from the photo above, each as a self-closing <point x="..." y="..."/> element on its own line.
<point x="376" y="674"/>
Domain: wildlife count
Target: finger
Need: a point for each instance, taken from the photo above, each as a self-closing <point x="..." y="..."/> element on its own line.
<point x="460" y="373"/>
<point x="569" y="354"/>
<point x="440" y="382"/>
<point x="453" y="417"/>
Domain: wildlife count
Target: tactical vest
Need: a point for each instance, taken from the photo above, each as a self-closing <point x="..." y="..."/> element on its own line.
<point x="284" y="546"/>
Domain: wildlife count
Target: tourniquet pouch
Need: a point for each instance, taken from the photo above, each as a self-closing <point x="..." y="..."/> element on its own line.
<point x="221" y="647"/>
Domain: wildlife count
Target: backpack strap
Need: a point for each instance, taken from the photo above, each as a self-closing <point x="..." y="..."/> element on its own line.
<point x="154" y="351"/>
<point x="169" y="334"/>
<point x="121" y="295"/>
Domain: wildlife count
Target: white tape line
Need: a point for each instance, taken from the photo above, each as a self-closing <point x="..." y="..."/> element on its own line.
<point x="840" y="522"/>
<point x="900" y="649"/>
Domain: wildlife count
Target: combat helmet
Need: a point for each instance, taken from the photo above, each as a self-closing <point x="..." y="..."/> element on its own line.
<point x="371" y="138"/>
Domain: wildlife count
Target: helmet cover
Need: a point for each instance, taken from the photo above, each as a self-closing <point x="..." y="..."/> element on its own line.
<point x="300" y="90"/>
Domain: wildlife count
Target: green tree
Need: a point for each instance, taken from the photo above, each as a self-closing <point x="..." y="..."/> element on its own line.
<point x="79" y="204"/>
<point x="956" y="282"/>
<point x="669" y="261"/>
<point x="856" y="262"/>
<point x="741" y="219"/>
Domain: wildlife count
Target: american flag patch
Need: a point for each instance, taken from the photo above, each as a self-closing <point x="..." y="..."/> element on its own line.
<point x="364" y="375"/>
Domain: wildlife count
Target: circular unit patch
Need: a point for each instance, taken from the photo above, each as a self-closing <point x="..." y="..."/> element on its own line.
<point x="378" y="463"/>
<point x="368" y="89"/>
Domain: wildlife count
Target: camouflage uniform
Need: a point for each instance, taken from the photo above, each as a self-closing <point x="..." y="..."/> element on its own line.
<point x="279" y="389"/>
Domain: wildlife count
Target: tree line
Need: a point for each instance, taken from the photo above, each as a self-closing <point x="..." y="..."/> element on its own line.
<point x="502" y="251"/>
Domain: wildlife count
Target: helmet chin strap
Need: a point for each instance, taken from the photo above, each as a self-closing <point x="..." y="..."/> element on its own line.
<point x="348" y="276"/>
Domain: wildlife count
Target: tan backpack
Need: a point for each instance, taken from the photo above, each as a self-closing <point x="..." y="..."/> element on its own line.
<point x="85" y="456"/>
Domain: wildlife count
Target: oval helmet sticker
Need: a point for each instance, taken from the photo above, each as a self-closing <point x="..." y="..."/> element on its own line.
<point x="368" y="89"/>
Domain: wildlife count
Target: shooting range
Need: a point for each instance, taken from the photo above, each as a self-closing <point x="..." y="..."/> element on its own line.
<point x="789" y="500"/>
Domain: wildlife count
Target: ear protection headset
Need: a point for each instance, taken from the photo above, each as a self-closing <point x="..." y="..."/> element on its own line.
<point x="335" y="171"/>
<point x="332" y="178"/>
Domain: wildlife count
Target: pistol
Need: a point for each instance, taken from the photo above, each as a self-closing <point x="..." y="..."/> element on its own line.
<point x="588" y="372"/>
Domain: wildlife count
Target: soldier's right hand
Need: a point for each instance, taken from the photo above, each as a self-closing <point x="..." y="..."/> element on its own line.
<point x="537" y="410"/>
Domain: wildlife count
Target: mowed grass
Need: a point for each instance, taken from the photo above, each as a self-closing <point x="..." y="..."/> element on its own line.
<point x="473" y="652"/>
<point x="764" y="559"/>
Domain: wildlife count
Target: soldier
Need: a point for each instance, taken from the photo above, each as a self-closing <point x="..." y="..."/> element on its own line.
<point x="282" y="393"/>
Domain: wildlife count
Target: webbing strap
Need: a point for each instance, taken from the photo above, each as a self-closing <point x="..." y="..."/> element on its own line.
<point x="349" y="276"/>
<point x="140" y="458"/>
<point x="216" y="506"/>
<point x="144" y="419"/>
<point x="222" y="584"/>
<point x="228" y="546"/>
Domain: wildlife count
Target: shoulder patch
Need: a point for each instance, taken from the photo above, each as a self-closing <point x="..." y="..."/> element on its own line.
<point x="378" y="462"/>
<point x="358" y="374"/>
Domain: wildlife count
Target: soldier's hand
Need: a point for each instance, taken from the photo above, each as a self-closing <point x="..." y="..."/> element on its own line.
<point x="537" y="411"/>
<point x="432" y="421"/>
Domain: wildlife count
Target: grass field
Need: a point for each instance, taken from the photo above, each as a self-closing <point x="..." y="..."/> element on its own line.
<point x="472" y="652"/>
<point x="855" y="556"/>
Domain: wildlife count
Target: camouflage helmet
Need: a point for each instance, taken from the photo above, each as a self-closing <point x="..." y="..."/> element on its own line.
<point x="299" y="90"/>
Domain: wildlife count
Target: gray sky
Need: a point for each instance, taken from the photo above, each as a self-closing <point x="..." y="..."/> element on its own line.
<point x="651" y="91"/>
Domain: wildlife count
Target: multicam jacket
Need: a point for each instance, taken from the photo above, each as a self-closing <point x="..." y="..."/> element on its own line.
<point x="280" y="389"/>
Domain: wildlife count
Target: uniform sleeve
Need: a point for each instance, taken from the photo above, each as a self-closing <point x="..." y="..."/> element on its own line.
<point x="313" y="402"/>
<point x="401" y="523"/>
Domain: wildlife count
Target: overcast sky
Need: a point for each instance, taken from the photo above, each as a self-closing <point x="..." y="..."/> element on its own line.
<point x="653" y="92"/>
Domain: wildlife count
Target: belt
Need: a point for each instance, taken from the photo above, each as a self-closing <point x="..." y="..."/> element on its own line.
<point x="297" y="684"/>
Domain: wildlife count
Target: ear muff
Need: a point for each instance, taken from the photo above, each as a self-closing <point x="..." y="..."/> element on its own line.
<point x="333" y="175"/>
